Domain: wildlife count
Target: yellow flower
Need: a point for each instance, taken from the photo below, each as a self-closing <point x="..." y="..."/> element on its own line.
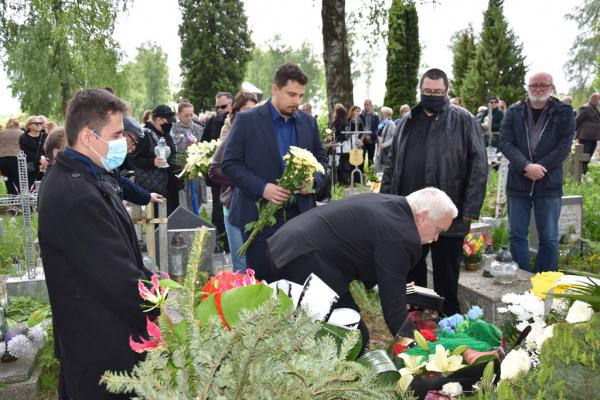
<point x="542" y="282"/>
<point x="404" y="382"/>
<point x="412" y="364"/>
<point x="441" y="362"/>
<point x="306" y="158"/>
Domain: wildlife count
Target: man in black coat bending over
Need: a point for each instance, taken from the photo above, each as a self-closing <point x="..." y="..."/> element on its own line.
<point x="90" y="251"/>
<point x="374" y="238"/>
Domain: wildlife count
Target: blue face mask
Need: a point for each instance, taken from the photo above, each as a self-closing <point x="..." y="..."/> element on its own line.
<point x="117" y="151"/>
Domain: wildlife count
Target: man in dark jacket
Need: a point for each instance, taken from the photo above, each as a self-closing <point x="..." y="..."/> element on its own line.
<point x="588" y="126"/>
<point x="370" y="122"/>
<point x="438" y="144"/>
<point x="372" y="237"/>
<point x="495" y="115"/>
<point x="90" y="252"/>
<point x="536" y="136"/>
<point x="253" y="159"/>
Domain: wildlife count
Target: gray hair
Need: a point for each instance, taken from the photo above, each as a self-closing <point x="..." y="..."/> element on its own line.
<point x="387" y="110"/>
<point x="433" y="200"/>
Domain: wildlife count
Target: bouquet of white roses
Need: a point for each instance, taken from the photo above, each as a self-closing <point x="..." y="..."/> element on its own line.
<point x="197" y="159"/>
<point x="300" y="168"/>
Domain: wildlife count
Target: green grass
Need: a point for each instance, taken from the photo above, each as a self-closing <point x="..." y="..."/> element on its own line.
<point x="12" y="242"/>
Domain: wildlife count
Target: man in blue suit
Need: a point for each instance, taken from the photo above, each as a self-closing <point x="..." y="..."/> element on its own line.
<point x="253" y="159"/>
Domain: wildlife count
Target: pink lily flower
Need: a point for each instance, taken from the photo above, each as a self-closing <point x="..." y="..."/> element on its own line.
<point x="155" y="295"/>
<point x="148" y="345"/>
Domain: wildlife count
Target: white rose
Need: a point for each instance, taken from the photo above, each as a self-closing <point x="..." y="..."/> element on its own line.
<point x="516" y="363"/>
<point x="579" y="312"/>
<point x="452" y="389"/>
<point x="546" y="334"/>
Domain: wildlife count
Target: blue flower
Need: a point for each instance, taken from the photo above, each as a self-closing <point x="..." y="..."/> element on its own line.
<point x="455" y="319"/>
<point x="446" y="326"/>
<point x="474" y="313"/>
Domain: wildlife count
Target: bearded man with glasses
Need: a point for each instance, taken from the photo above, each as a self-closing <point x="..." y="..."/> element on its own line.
<point x="536" y="136"/>
<point x="438" y="144"/>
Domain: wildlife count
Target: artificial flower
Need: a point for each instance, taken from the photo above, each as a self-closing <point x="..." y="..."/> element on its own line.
<point x="412" y="364"/>
<point x="446" y="326"/>
<point x="547" y="333"/>
<point x="580" y="311"/>
<point x="226" y="280"/>
<point x="148" y="345"/>
<point x="428" y="335"/>
<point x="404" y="382"/>
<point x="452" y="389"/>
<point x="20" y="346"/>
<point x="437" y="395"/>
<point x="474" y="313"/>
<point x="399" y="348"/>
<point x="442" y="362"/>
<point x="515" y="363"/>
<point x="542" y="282"/>
<point x="471" y="356"/>
<point x="38" y="336"/>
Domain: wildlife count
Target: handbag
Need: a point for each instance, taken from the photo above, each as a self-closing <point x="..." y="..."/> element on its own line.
<point x="155" y="179"/>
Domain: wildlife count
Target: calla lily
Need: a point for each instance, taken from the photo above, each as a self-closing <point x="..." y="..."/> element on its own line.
<point x="412" y="364"/>
<point x="441" y="362"/>
<point x="148" y="345"/>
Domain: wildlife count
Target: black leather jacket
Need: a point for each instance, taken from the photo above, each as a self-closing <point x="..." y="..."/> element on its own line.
<point x="456" y="162"/>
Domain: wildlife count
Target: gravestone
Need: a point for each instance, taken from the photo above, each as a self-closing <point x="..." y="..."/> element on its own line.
<point x="19" y="379"/>
<point x="476" y="290"/>
<point x="571" y="215"/>
<point x="573" y="164"/>
<point x="187" y="223"/>
<point x="501" y="192"/>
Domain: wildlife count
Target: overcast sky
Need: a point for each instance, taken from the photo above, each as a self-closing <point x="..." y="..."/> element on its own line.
<point x="540" y="26"/>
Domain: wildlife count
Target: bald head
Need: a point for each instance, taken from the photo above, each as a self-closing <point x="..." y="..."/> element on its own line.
<point x="595" y="99"/>
<point x="540" y="89"/>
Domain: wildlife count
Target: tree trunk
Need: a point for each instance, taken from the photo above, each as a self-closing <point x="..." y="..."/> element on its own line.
<point x="335" y="54"/>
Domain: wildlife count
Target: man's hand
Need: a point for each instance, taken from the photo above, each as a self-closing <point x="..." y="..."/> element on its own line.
<point x="275" y="194"/>
<point x="159" y="162"/>
<point x="535" y="172"/>
<point x="156" y="198"/>
<point x="307" y="188"/>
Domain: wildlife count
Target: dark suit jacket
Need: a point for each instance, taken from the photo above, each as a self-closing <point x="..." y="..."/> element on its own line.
<point x="251" y="160"/>
<point x="92" y="264"/>
<point x="368" y="237"/>
<point x="588" y="123"/>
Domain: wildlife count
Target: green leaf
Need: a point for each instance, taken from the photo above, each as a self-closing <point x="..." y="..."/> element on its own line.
<point x="169" y="283"/>
<point x="488" y="375"/>
<point x="380" y="362"/>
<point x="36" y="318"/>
<point x="459" y="350"/>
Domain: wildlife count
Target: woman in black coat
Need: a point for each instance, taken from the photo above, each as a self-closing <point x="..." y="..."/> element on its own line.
<point x="32" y="144"/>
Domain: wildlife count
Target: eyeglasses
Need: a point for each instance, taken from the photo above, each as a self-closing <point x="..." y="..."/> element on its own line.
<point x="436" y="92"/>
<point x="36" y="123"/>
<point x="493" y="102"/>
<point x="538" y="86"/>
<point x="222" y="106"/>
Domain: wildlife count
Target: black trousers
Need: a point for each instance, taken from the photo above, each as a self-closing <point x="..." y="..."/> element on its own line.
<point x="10" y="169"/>
<point x="370" y="152"/>
<point x="217" y="215"/>
<point x="299" y="269"/>
<point x="256" y="256"/>
<point x="446" y="255"/>
<point x="589" y="146"/>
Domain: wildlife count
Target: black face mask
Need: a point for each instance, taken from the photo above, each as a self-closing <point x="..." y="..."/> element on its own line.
<point x="166" y="128"/>
<point x="433" y="104"/>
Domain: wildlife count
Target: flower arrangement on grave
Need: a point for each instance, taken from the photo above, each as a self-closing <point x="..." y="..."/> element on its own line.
<point x="473" y="249"/>
<point x="198" y="157"/>
<point x="22" y="340"/>
<point x="560" y="357"/>
<point x="268" y="348"/>
<point x="455" y="350"/>
<point x="300" y="169"/>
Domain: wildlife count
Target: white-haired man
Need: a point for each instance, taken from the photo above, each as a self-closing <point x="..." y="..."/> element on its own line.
<point x="374" y="238"/>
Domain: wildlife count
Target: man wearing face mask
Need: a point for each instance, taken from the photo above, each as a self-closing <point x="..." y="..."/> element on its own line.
<point x="148" y="171"/>
<point x="90" y="251"/>
<point x="438" y="144"/>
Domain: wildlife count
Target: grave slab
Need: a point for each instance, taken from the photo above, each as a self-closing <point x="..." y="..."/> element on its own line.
<point x="25" y="390"/>
<point x="571" y="216"/>
<point x="476" y="290"/>
<point x="19" y="379"/>
<point x="23" y="286"/>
